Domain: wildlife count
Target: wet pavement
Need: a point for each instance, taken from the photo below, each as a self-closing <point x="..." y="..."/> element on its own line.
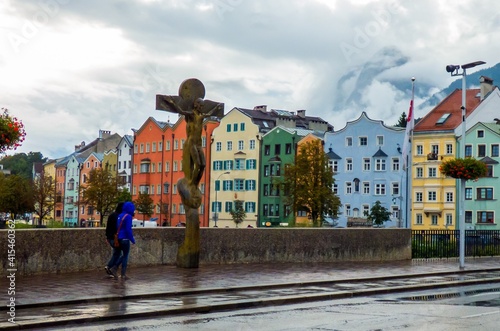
<point x="93" y="287"/>
<point x="96" y="284"/>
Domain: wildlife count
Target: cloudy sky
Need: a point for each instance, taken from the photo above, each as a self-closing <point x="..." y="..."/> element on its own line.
<point x="69" y="68"/>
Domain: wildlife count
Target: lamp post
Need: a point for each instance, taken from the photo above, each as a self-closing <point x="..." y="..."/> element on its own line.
<point x="216" y="213"/>
<point x="453" y="70"/>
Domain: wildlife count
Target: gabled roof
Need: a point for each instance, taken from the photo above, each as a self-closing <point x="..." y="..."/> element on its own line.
<point x="380" y="153"/>
<point x="488" y="160"/>
<point x="332" y="155"/>
<point x="450" y="105"/>
<point x="266" y="120"/>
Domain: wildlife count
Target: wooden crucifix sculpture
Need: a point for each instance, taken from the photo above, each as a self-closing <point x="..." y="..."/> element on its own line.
<point x="195" y="109"/>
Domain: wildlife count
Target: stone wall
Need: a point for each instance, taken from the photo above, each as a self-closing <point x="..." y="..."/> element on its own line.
<point x="65" y="250"/>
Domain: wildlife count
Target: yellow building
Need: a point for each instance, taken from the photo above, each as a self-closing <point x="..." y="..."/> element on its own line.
<point x="436" y="137"/>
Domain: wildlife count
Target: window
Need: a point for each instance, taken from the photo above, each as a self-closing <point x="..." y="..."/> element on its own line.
<point x="182" y="143"/>
<point x="366" y="164"/>
<point x="395" y="189"/>
<point x="227" y="185"/>
<point x="167" y="145"/>
<point x="242" y="126"/>
<point x="176" y="145"/>
<point x="335" y="166"/>
<point x="239" y="184"/>
<point x="485" y="217"/>
<point x="202" y="188"/>
<point x="228" y="127"/>
<point x="431" y="196"/>
<point x="348" y="164"/>
<point x="432" y="172"/>
<point x="239" y="164"/>
<point x="449" y="149"/>
<point x="241" y="145"/>
<point x="250" y="185"/>
<point x="420" y="150"/>
<point x="216" y="207"/>
<point x="252" y="144"/>
<point x="363" y="141"/>
<point x="277" y="149"/>
<point x="141" y="148"/>
<point x="228" y="206"/>
<point x="484" y="193"/>
<point x="435" y="149"/>
<point x="379" y="189"/>
<point x="481" y="150"/>
<point x="335" y="189"/>
<point x="174" y="166"/>
<point x="144" y="189"/>
<point x="167" y="166"/>
<point x="490" y="170"/>
<point x="379" y="164"/>
<point x="449" y="219"/>
<point x="434" y="219"/>
<point x="159" y="166"/>
<point x="480" y="133"/>
<point x="468" y="216"/>
<point x="229" y="145"/>
<point x="266" y="210"/>
<point x="228" y="165"/>
<point x="266" y="171"/>
<point x="251" y="164"/>
<point x="166" y="187"/>
<point x="468" y="150"/>
<point x="348" y="188"/>
<point x="418" y="220"/>
<point x="174" y="189"/>
<point x="235" y="127"/>
<point x="145" y="167"/>
<point x="449" y="196"/>
<point x="348" y="141"/>
<point x="366" y="210"/>
<point x="494" y="150"/>
<point x="266" y="190"/>
<point x="217" y="165"/>
<point x="366" y="187"/>
<point x="468" y="193"/>
<point x="420" y="172"/>
<point x="288" y="149"/>
<point x="250" y="207"/>
<point x="380" y="140"/>
<point x="348" y="210"/>
<point x="267" y="149"/>
<point x="395" y="164"/>
<point x="418" y="197"/>
<point x="218" y="146"/>
<point x="203" y="142"/>
<point x="153" y="147"/>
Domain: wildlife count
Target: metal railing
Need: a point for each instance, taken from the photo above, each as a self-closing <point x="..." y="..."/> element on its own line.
<point x="445" y="243"/>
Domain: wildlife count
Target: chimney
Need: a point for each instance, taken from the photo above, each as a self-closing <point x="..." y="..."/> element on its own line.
<point x="301" y="113"/>
<point x="78" y="147"/>
<point x="103" y="134"/>
<point x="262" y="108"/>
<point x="486" y="86"/>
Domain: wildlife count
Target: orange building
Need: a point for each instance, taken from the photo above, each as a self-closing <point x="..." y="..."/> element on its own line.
<point x="157" y="166"/>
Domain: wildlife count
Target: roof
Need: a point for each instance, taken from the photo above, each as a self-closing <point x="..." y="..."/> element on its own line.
<point x="449" y="112"/>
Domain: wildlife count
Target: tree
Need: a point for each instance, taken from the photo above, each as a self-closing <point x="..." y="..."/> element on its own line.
<point x="144" y="205"/>
<point x="402" y="121"/>
<point x="15" y="195"/>
<point x="238" y="213"/>
<point x="378" y="214"/>
<point x="43" y="196"/>
<point x="22" y="163"/>
<point x="12" y="133"/>
<point x="100" y="191"/>
<point x="123" y="195"/>
<point x="308" y="183"/>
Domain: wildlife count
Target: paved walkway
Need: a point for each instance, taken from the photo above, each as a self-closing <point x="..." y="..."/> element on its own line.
<point x="95" y="284"/>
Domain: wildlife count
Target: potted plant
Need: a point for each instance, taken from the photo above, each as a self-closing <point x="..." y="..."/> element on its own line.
<point x="468" y="168"/>
<point x="12" y="132"/>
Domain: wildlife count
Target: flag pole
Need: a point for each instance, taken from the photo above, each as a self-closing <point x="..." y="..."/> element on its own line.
<point x="411" y="122"/>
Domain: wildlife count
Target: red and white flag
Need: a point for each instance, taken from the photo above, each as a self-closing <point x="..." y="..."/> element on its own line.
<point x="410" y="123"/>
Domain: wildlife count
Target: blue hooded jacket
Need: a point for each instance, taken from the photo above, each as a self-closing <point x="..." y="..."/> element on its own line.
<point x="126" y="219"/>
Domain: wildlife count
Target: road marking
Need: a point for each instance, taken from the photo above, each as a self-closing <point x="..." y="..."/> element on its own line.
<point x="483" y="314"/>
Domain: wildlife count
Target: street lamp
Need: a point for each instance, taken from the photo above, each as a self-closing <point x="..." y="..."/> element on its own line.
<point x="453" y="70"/>
<point x="216" y="213"/>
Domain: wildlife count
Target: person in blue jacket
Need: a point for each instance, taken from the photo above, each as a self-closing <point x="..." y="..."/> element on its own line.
<point x="125" y="236"/>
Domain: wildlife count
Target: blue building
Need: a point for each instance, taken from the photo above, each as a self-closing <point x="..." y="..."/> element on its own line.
<point x="367" y="162"/>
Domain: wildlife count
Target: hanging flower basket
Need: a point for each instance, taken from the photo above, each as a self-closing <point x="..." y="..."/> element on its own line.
<point x="468" y="168"/>
<point x="12" y="132"/>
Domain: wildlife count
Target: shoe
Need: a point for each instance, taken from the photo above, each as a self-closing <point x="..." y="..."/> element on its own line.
<point x="124" y="277"/>
<point x="113" y="272"/>
<point x="108" y="270"/>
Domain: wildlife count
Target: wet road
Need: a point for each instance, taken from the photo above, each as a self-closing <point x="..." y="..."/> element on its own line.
<point x="464" y="308"/>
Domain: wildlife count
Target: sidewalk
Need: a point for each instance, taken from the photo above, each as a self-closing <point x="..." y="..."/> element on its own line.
<point x="96" y="284"/>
